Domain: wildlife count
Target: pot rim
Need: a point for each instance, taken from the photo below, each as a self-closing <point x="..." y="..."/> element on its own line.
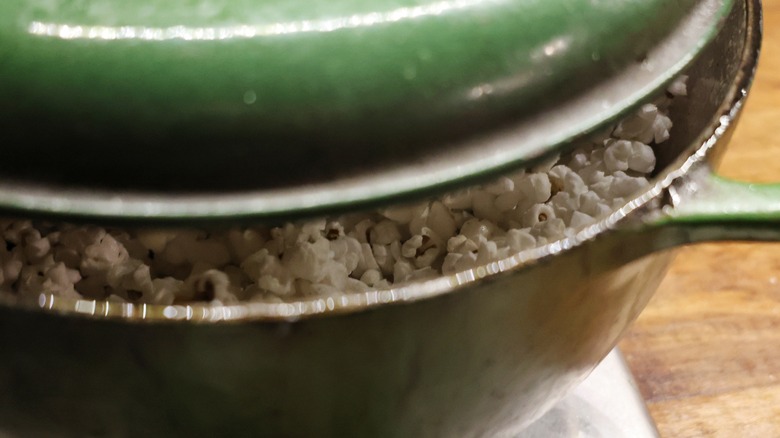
<point x="724" y="118"/>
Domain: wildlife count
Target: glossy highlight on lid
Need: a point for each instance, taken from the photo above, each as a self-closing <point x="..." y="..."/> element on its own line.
<point x="77" y="31"/>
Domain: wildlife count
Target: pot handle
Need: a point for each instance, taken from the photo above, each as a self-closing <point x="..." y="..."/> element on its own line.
<point x="703" y="206"/>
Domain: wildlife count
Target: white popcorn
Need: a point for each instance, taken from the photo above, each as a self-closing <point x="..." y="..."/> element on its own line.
<point x="537" y="188"/>
<point x="622" y="155"/>
<point x="12" y="266"/>
<point x="155" y="240"/>
<point x="242" y="243"/>
<point x="385" y="232"/>
<point x="473" y="228"/>
<point x="551" y="229"/>
<point x="275" y="245"/>
<point x="441" y="221"/>
<point x="451" y="263"/>
<point x="580" y="219"/>
<point x="132" y="246"/>
<point x="372" y="277"/>
<point x="347" y="251"/>
<point x="573" y="184"/>
<point x="617" y="154"/>
<point x="402" y="270"/>
<point x="131" y="280"/>
<point x="100" y="257"/>
<point x="588" y="203"/>
<point x="353" y="285"/>
<point x="383" y="258"/>
<point x="60" y="280"/>
<point x="35" y="246"/>
<point x="624" y="185"/>
<point x="460" y="200"/>
<point x="334" y="230"/>
<point x="366" y="261"/>
<point x="165" y="290"/>
<point x="334" y="274"/>
<point x="508" y="201"/>
<point x="501" y="185"/>
<point x="210" y="285"/>
<point x="422" y="274"/>
<point x="463" y="262"/>
<point x="427" y="258"/>
<point x="579" y="159"/>
<point x="564" y="204"/>
<point x="485" y="207"/>
<point x="547" y="164"/>
<point x="354" y="252"/>
<point x="13" y="231"/>
<point x="310" y="231"/>
<point x="402" y="215"/>
<point x="603" y="187"/>
<point x="642" y="158"/>
<point x="461" y="244"/>
<point x="419" y="221"/>
<point x="361" y="232"/>
<point x="556" y="176"/>
<point x="80" y="238"/>
<point x="679" y="86"/>
<point x="280" y="286"/>
<point x="411" y="246"/>
<point x="262" y="263"/>
<point x="617" y="203"/>
<point x="307" y="260"/>
<point x="519" y="240"/>
<point x="431" y="246"/>
<point x="638" y="126"/>
<point x="537" y="214"/>
<point x="661" y="126"/>
<point x="487" y="252"/>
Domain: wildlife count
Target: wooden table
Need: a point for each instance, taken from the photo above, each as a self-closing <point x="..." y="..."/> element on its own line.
<point x="706" y="351"/>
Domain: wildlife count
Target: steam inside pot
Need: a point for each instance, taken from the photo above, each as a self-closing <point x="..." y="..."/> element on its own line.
<point x="355" y="252"/>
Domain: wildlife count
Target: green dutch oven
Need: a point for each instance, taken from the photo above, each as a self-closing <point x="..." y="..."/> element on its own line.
<point x="480" y="353"/>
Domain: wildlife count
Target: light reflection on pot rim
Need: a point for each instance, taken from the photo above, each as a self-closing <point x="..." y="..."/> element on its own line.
<point x="347" y="303"/>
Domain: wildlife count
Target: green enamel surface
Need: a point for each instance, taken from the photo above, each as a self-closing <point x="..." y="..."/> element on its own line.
<point x="93" y="84"/>
<point x="300" y="64"/>
<point x="720" y="200"/>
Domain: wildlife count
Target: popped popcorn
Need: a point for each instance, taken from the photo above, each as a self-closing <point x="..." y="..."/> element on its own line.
<point x="354" y="252"/>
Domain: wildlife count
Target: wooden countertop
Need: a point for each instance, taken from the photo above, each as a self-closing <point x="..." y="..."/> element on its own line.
<point x="706" y="351"/>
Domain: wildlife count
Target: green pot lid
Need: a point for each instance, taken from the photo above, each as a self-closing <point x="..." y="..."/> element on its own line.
<point x="188" y="109"/>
